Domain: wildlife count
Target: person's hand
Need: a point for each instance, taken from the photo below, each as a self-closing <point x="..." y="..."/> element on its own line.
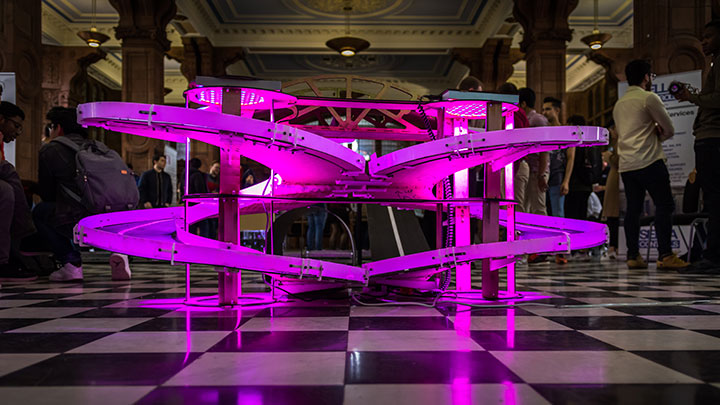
<point x="167" y="204"/>
<point x="147" y="204"/>
<point x="564" y="188"/>
<point x="542" y="184"/>
<point x="683" y="94"/>
<point x="660" y="131"/>
<point x="598" y="188"/>
<point x="692" y="176"/>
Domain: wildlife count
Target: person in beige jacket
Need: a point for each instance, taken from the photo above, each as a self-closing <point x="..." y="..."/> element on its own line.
<point x="643" y="124"/>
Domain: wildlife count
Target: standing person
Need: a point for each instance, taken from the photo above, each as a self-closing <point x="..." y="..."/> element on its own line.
<point x="213" y="178"/>
<point x="470" y="83"/>
<point x="248" y="178"/>
<point x="197" y="184"/>
<point x="643" y="124"/>
<point x="213" y="186"/>
<point x="15" y="221"/>
<point x="532" y="193"/>
<point x="611" y="199"/>
<point x="59" y="210"/>
<point x="155" y="185"/>
<point x="707" y="145"/>
<point x="579" y="185"/>
<point x="316" y="226"/>
<point x="561" y="166"/>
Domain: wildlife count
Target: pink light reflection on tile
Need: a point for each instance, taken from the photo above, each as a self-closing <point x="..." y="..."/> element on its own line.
<point x="250" y="398"/>
<point x="510" y="393"/>
<point x="461" y="391"/>
<point x="510" y="328"/>
<point x="462" y="323"/>
<point x="188" y="336"/>
<point x="462" y="213"/>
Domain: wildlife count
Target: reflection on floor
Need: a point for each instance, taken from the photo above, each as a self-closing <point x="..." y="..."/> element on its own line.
<point x="100" y="341"/>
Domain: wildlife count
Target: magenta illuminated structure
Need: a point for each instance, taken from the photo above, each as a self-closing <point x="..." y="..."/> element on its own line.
<point x="309" y="164"/>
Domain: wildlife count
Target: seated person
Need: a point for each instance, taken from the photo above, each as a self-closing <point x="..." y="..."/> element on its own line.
<point x="15" y="222"/>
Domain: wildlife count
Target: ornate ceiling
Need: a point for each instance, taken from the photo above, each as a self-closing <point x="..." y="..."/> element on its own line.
<point x="285" y="39"/>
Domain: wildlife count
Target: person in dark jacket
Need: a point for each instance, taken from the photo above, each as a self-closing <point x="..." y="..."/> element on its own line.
<point x="198" y="179"/>
<point x="56" y="215"/>
<point x="198" y="185"/>
<point x="155" y="185"/>
<point x="15" y="222"/>
<point x="248" y="178"/>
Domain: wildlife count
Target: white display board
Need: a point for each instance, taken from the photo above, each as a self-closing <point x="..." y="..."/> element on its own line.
<point x="680" y="236"/>
<point x="678" y="149"/>
<point x="7" y="81"/>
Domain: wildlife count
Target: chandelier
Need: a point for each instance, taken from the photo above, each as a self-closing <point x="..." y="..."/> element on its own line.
<point x="347" y="46"/>
<point x="93" y="38"/>
<point x="597" y="39"/>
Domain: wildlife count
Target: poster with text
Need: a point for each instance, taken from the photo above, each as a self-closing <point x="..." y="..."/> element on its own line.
<point x="679" y="148"/>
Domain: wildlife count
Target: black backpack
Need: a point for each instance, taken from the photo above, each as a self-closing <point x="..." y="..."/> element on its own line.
<point x="104" y="180"/>
<point x="591" y="171"/>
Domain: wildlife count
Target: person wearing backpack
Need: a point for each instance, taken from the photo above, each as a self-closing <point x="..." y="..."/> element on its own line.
<point x="78" y="177"/>
<point x="643" y="124"/>
<point x="155" y="186"/>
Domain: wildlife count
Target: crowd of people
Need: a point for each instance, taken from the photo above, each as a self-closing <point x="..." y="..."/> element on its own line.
<point x="584" y="182"/>
<point x="579" y="183"/>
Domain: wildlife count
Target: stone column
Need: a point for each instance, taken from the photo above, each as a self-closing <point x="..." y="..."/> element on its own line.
<point x="20" y="52"/>
<point x="201" y="58"/>
<point x="492" y="64"/>
<point x="545" y="23"/>
<point x="144" y="42"/>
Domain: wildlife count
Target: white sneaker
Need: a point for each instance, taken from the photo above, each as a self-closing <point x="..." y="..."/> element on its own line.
<point x="120" y="267"/>
<point x="68" y="272"/>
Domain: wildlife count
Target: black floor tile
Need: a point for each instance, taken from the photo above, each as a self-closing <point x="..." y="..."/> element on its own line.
<point x="101" y="369"/>
<point x="304" y="311"/>
<point x="122" y="313"/>
<point x="703" y="364"/>
<point x="75" y="303"/>
<point x="636" y="394"/>
<point x="714" y="332"/>
<point x="16" y="323"/>
<point x="538" y="340"/>
<point x="400" y="323"/>
<point x="290" y="341"/>
<point x="608" y="322"/>
<point x="45" y="342"/>
<point x="663" y="310"/>
<point x="192" y="324"/>
<point x="310" y="395"/>
<point x="425" y="368"/>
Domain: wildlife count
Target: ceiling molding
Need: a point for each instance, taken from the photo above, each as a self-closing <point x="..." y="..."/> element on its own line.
<point x="99" y="75"/>
<point x="582" y="73"/>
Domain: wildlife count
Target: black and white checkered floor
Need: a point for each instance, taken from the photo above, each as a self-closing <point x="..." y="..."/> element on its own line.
<point x="124" y="342"/>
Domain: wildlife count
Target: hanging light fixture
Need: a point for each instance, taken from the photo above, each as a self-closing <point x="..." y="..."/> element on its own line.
<point x="93" y="38"/>
<point x="347" y="46"/>
<point x="597" y="39"/>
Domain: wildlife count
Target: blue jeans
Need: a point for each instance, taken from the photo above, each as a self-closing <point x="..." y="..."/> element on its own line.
<point x="316" y="225"/>
<point x="557" y="201"/>
<point x="59" y="239"/>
